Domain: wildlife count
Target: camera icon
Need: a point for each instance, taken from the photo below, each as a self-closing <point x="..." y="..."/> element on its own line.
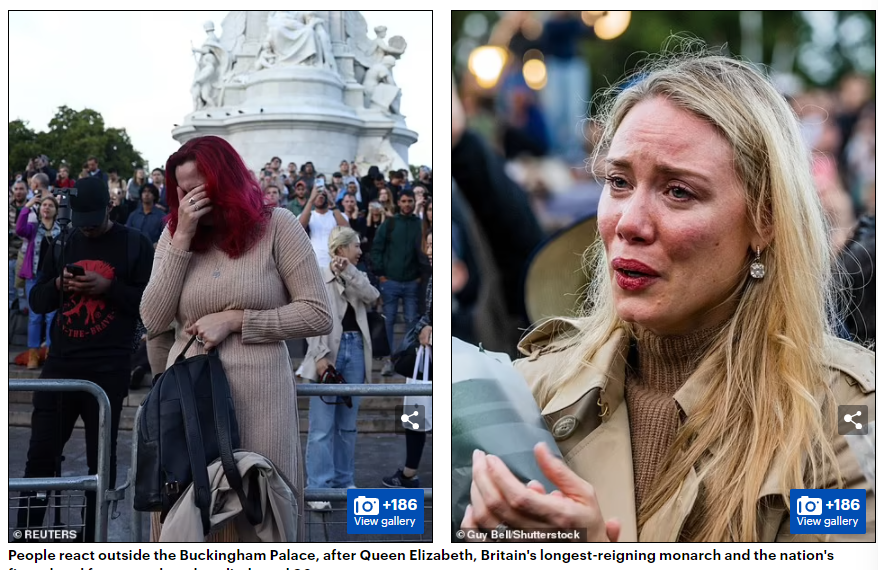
<point x="366" y="507"/>
<point x="809" y="506"/>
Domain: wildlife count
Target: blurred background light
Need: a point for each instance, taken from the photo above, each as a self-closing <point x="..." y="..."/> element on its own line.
<point x="613" y="24"/>
<point x="475" y="25"/>
<point x="535" y="74"/>
<point x="592" y="16"/>
<point x="533" y="54"/>
<point x="486" y="64"/>
<point x="532" y="29"/>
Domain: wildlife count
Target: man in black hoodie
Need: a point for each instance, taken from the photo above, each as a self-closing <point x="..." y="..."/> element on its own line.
<point x="92" y="336"/>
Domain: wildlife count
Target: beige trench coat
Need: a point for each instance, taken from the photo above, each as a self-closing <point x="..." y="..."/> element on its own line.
<point x="353" y="287"/>
<point x="598" y="448"/>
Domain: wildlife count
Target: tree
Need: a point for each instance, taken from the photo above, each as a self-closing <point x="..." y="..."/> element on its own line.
<point x="72" y="137"/>
<point x="22" y="146"/>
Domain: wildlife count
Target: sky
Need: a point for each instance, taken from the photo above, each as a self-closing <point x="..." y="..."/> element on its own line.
<point x="137" y="68"/>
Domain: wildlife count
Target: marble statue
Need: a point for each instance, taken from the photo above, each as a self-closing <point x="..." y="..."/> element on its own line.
<point x="381" y="90"/>
<point x="234" y="37"/>
<point x="380" y="154"/>
<point x="323" y="38"/>
<point x="297" y="38"/>
<point x="304" y="85"/>
<point x="381" y="48"/>
<point x="212" y="66"/>
<point x="266" y="57"/>
<point x="369" y="52"/>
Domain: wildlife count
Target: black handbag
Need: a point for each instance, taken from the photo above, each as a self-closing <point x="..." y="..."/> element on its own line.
<point x="404" y="359"/>
<point x="333" y="376"/>
<point x="378" y="333"/>
<point x="187" y="422"/>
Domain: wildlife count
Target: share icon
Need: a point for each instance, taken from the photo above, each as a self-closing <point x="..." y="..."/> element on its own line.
<point x="406" y="419"/>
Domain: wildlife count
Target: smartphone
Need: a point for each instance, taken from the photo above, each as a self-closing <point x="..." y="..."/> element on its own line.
<point x="75" y="270"/>
<point x="320" y="183"/>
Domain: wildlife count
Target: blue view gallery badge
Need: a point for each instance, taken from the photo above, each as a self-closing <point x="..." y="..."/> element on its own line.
<point x="385" y="511"/>
<point x="828" y="511"/>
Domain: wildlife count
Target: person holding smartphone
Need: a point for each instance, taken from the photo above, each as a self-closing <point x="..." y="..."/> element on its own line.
<point x="319" y="217"/>
<point x="96" y="293"/>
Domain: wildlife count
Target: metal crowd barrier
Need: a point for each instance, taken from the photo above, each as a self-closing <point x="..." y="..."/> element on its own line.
<point x="96" y="483"/>
<point x="327" y="521"/>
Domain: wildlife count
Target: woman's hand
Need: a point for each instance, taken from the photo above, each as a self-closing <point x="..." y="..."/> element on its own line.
<point x="498" y="497"/>
<point x="426" y="335"/>
<point x="213" y="329"/>
<point x="33" y="201"/>
<point x="322" y="365"/>
<point x="339" y="264"/>
<point x="193" y="206"/>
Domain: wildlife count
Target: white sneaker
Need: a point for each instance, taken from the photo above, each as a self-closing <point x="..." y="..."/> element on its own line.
<point x="387" y="370"/>
<point x="319" y="505"/>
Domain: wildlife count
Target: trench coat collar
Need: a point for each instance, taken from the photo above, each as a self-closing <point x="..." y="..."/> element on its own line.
<point x="607" y="372"/>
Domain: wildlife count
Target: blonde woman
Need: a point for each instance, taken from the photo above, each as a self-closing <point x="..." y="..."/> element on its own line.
<point x="332" y="427"/>
<point x="135" y="185"/>
<point x="385" y="198"/>
<point x="702" y="381"/>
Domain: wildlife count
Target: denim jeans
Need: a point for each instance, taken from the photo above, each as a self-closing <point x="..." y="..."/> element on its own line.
<point x="332" y="429"/>
<point x="36" y="321"/>
<point x="391" y="293"/>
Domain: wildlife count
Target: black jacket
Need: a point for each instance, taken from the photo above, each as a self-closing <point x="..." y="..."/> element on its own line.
<point x="502" y="210"/>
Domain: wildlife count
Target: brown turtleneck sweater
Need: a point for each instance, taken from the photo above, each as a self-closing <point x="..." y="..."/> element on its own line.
<point x="657" y="367"/>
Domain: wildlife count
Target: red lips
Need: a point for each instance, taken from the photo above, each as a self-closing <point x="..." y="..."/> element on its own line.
<point x="632" y="265"/>
<point x="633" y="275"/>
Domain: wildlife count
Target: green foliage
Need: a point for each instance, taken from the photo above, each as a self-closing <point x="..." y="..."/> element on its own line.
<point x="72" y="137"/>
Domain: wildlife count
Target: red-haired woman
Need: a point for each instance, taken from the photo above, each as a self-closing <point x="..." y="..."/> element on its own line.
<point x="241" y="276"/>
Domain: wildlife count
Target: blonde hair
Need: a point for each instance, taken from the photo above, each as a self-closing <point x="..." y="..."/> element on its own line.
<point x="765" y="377"/>
<point x="340" y="237"/>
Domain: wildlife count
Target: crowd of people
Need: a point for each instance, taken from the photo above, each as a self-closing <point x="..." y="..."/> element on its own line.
<point x="162" y="257"/>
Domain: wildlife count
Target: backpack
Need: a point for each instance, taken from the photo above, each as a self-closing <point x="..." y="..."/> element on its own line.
<point x="133" y="238"/>
<point x="186" y="422"/>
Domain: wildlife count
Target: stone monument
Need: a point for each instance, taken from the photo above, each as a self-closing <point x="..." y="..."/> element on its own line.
<point x="302" y="85"/>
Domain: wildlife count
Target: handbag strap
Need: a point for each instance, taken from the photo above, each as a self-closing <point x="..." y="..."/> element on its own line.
<point x="195" y="445"/>
<point x="182" y="355"/>
<point x="221" y="396"/>
<point x="427" y="355"/>
<point x="419" y="358"/>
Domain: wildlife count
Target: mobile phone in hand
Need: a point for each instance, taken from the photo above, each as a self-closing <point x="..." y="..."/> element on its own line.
<point x="75" y="270"/>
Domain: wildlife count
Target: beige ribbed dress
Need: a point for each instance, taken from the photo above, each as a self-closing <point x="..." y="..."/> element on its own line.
<point x="279" y="286"/>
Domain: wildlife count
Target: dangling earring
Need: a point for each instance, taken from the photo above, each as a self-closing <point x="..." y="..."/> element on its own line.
<point x="757" y="270"/>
